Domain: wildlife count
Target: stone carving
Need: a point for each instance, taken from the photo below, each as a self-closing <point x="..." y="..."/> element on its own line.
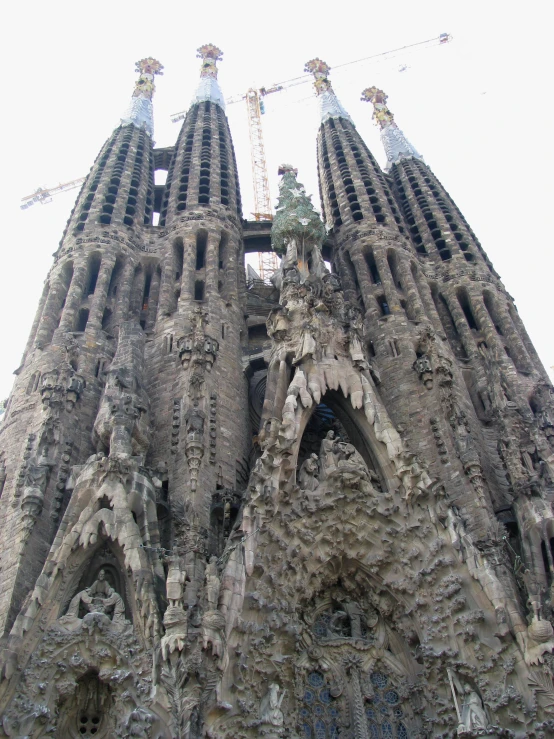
<point x="61" y="385"/>
<point x="473" y="712"/>
<point x="423" y="367"/>
<point x="270" y="706"/>
<point x="175" y="618"/>
<point x="122" y="424"/>
<point x="34" y="487"/>
<point x="213" y="584"/>
<point x="101" y="602"/>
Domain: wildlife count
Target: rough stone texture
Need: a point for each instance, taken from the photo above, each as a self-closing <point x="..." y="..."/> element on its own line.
<point x="317" y="508"/>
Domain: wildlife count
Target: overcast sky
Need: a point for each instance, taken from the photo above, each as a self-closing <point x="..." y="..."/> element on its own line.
<point x="478" y="109"/>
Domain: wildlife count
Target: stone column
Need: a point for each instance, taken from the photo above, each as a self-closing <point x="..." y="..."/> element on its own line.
<point x="153" y="299"/>
<point x="167" y="304"/>
<point x="212" y="259"/>
<point x="389" y="287"/>
<point x="36" y="322"/>
<point x="121" y="309"/>
<point x="364" y="280"/>
<point x="427" y="300"/>
<point x="458" y="316"/>
<point x="50" y="315"/>
<point x="410" y="287"/>
<point x="349" y="288"/>
<point x="189" y="267"/>
<point x="137" y="293"/>
<point x="74" y="297"/>
<point x="101" y="292"/>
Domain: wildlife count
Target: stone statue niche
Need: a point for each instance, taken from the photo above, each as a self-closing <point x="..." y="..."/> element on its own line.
<point x="99" y="599"/>
<point x="326" y="447"/>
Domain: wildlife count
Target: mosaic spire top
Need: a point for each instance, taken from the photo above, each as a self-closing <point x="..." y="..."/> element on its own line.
<point x="140" y="113"/>
<point x="208" y="87"/>
<point x="396" y="145"/>
<point x="329" y="104"/>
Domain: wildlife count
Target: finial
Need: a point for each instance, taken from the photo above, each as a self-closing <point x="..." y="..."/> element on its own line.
<point x="396" y="145"/>
<point x="330" y="106"/>
<point x="209" y="54"/>
<point x="208" y="87"/>
<point x="139" y="113"/>
<point x="320" y="71"/>
<point x="381" y="114"/>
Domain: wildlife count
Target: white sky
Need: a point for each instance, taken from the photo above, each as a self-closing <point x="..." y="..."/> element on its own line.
<point x="478" y="109"/>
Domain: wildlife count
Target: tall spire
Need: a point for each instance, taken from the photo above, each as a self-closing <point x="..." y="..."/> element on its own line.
<point x="139" y="113"/>
<point x="208" y="87"/>
<point x="329" y="104"/>
<point x="396" y="145"/>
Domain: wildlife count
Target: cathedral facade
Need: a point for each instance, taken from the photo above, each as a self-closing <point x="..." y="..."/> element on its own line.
<point x="318" y="507"/>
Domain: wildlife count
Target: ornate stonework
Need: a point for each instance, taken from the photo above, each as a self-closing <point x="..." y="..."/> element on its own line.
<point x="317" y="508"/>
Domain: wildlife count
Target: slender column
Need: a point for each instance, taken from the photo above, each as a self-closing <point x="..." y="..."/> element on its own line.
<point x="189" y="265"/>
<point x="364" y="280"/>
<point x="487" y="326"/>
<point x="350" y="292"/>
<point x="386" y="279"/>
<point x="412" y="293"/>
<point x="101" y="292"/>
<point x="51" y="312"/>
<point x="212" y="257"/>
<point x="462" y="327"/>
<point x="427" y="300"/>
<point x="153" y="299"/>
<point x="74" y="297"/>
<point x="168" y="284"/>
<point x="512" y="336"/>
<point x="36" y="322"/>
<point x="137" y="293"/>
<point x="121" y="310"/>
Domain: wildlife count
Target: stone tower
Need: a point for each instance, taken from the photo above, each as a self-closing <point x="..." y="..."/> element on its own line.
<point x="319" y="507"/>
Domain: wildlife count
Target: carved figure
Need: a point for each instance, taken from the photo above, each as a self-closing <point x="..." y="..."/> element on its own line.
<point x="270" y="706"/>
<point x="100" y="597"/>
<point x="473" y="712"/>
<point x="34" y="487"/>
<point x="327" y="455"/>
<point x="308" y="475"/>
<point x="212" y="584"/>
<point x="175" y="582"/>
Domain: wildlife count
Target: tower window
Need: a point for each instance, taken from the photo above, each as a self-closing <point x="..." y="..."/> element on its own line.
<point x="383" y="305"/>
<point x="199" y="290"/>
<point x="82" y="319"/>
<point x="201" y="243"/>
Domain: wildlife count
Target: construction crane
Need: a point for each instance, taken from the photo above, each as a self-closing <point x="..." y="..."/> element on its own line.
<point x="268" y="261"/>
<point x="44" y="194"/>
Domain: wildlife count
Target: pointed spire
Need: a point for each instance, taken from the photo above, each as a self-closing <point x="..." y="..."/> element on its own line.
<point x="208" y="87"/>
<point x="139" y="113"/>
<point x="329" y="103"/>
<point x="295" y="218"/>
<point x="396" y="145"/>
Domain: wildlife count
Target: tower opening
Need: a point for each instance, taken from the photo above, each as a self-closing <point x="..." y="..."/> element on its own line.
<point x="199" y="290"/>
<point x="201" y="247"/>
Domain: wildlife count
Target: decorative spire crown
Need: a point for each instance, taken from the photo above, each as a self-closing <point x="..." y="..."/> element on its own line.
<point x="330" y="106"/>
<point x="139" y="113"/>
<point x="208" y="87"/>
<point x="396" y="145"/>
<point x="295" y="218"/>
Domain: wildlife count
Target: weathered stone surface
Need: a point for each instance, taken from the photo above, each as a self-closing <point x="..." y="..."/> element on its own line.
<point x="331" y="517"/>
